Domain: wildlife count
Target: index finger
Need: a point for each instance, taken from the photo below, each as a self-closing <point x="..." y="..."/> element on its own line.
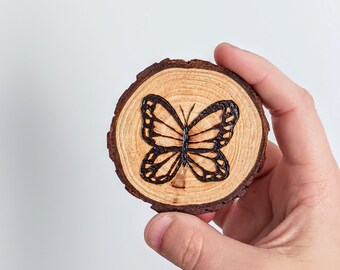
<point x="297" y="127"/>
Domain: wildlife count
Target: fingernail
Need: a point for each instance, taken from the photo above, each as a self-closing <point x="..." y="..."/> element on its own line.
<point x="229" y="44"/>
<point x="157" y="230"/>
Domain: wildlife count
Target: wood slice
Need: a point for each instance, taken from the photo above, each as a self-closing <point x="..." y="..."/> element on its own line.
<point x="188" y="136"/>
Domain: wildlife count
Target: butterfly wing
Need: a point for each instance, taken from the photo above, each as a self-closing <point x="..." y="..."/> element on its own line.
<point x="161" y="126"/>
<point x="162" y="129"/>
<point x="213" y="127"/>
<point x="208" y="132"/>
<point x="160" y="165"/>
<point x="209" y="166"/>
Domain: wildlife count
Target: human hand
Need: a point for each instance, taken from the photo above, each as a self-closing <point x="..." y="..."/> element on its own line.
<point x="289" y="217"/>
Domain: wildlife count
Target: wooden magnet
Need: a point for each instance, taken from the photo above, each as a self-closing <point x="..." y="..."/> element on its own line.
<point x="188" y="136"/>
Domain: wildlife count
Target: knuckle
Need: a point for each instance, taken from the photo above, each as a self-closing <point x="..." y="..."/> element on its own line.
<point x="306" y="98"/>
<point x="192" y="251"/>
<point x="301" y="101"/>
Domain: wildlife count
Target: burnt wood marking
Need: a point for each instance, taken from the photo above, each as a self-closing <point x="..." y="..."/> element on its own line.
<point x="182" y="147"/>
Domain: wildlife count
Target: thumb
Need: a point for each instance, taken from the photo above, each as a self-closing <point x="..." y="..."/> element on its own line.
<point x="191" y="243"/>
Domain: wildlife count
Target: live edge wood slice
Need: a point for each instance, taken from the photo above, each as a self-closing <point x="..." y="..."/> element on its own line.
<point x="188" y="136"/>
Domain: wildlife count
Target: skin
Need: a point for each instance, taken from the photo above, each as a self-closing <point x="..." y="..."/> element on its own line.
<point x="289" y="217"/>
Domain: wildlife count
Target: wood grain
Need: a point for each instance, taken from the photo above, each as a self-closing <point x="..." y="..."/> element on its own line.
<point x="183" y="84"/>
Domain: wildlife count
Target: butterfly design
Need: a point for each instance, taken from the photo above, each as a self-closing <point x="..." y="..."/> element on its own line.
<point x="177" y="143"/>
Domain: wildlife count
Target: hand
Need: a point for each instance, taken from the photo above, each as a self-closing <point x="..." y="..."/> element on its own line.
<point x="289" y="218"/>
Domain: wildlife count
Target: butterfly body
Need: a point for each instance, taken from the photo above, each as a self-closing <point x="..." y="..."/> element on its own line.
<point x="184" y="156"/>
<point x="177" y="142"/>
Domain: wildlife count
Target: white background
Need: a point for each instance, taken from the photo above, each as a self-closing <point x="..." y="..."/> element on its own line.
<point x="64" y="64"/>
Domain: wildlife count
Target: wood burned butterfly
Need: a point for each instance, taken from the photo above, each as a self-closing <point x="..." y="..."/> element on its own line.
<point x="175" y="142"/>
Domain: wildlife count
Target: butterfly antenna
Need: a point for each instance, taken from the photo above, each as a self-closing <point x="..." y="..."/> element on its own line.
<point x="186" y="122"/>
<point x="193" y="106"/>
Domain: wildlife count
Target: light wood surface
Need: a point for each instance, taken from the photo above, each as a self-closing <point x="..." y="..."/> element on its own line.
<point x="182" y="88"/>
